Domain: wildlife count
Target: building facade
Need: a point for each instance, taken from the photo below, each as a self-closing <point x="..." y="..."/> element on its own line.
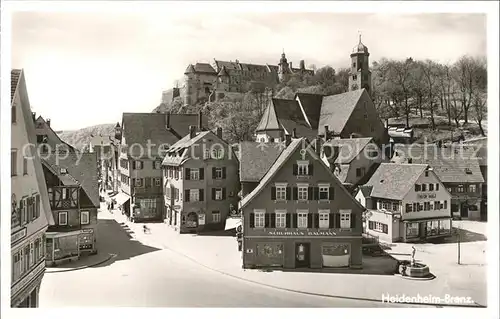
<point x="30" y="215"/>
<point x="407" y="203"/>
<point x="300" y="215"/>
<point x="201" y="182"/>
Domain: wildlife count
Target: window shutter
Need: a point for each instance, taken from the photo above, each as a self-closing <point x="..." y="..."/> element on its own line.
<point x="213" y="193"/>
<point x="272" y="222"/>
<point x="133" y="181"/>
<point x="437" y="187"/>
<point x="201" y="195"/>
<point x="154" y="164"/>
<point x="202" y="173"/>
<point x="385" y="228"/>
<point x="309" y="220"/>
<point x="310" y="193"/>
<point x="311" y="169"/>
<point x="187" y="173"/>
<point x="148" y="182"/>
<point x="316" y="193"/>
<point x="337" y="220"/>
<point x="353" y="220"/>
<point x="252" y="220"/>
<point x="273" y="193"/>
<point x="295" y="169"/>
<point x="288" y="220"/>
<point x="267" y="217"/>
<point x="331" y="193"/>
<point x="316" y="220"/>
<point x="294" y="221"/>
<point x="186" y="195"/>
<point x="223" y="193"/>
<point x="133" y="164"/>
<point x="370" y="224"/>
<point x="295" y="193"/>
<point x="213" y="173"/>
<point x="223" y="173"/>
<point x="288" y="193"/>
<point x="331" y="220"/>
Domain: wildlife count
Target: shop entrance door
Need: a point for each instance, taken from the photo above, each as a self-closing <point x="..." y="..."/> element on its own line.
<point x="302" y="255"/>
<point x="464" y="210"/>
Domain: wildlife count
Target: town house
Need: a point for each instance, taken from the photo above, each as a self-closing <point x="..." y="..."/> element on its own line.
<point x="457" y="166"/>
<point x="144" y="138"/>
<point x="300" y="215"/>
<point x="406" y="202"/>
<point x="30" y="209"/>
<point x="72" y="185"/>
<point x="201" y="182"/>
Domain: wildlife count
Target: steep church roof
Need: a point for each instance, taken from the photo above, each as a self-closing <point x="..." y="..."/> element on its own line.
<point x="269" y="120"/>
<point x="337" y="109"/>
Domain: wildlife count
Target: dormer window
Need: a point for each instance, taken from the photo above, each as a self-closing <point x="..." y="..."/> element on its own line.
<point x="64" y="171"/>
<point x="468" y="171"/>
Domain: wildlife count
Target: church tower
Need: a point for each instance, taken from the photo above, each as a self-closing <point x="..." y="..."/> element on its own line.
<point x="360" y="76"/>
<point x="283" y="69"/>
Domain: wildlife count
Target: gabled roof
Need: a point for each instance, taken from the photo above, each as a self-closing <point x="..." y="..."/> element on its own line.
<point x="311" y="103"/>
<point x="349" y="148"/>
<point x="204" y="68"/>
<point x="15" y="74"/>
<point x="143" y="127"/>
<point x="189" y="69"/>
<point x="451" y="164"/>
<point x="180" y="145"/>
<point x="269" y="120"/>
<point x="337" y="109"/>
<point x="255" y="159"/>
<point x="53" y="140"/>
<point x="66" y="179"/>
<point x="81" y="167"/>
<point x="394" y="181"/>
<point x="290" y="117"/>
<point x="281" y="160"/>
<point x="366" y="190"/>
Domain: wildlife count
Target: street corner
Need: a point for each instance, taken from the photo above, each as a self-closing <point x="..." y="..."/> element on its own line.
<point x="85" y="262"/>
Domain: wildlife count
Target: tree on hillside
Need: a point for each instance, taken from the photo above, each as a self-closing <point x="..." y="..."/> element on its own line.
<point x="418" y="87"/>
<point x="430" y="71"/>
<point x="445" y="87"/>
<point x="464" y="71"/>
<point x="400" y="74"/>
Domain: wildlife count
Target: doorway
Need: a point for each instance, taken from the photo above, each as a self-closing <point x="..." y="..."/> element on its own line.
<point x="302" y="255"/>
<point x="464" y="210"/>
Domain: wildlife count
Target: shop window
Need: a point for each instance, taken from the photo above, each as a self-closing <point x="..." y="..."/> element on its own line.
<point x="412" y="230"/>
<point x="259" y="219"/>
<point x="302" y="219"/>
<point x="302" y="192"/>
<point x="270" y="250"/>
<point x="280" y="219"/>
<point x="444" y="226"/>
<point x="433" y="227"/>
<point x="85" y="218"/>
<point x="324" y="219"/>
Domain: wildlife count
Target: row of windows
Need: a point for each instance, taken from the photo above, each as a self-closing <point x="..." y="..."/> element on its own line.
<point x="29" y="210"/>
<point x="423" y="187"/>
<point x="195" y="174"/>
<point x="377" y="226"/>
<point x="13" y="163"/>
<point x="140" y="165"/>
<point x="302" y="192"/>
<point x="472" y="188"/>
<point x="139" y="182"/>
<point x="426" y="206"/>
<point x="216" y="217"/>
<point x="197" y="195"/>
<point x="24" y="259"/>
<point x="62" y="218"/>
<point x="302" y="219"/>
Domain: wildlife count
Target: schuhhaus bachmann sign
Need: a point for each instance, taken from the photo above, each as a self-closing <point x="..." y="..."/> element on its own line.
<point x="301" y="233"/>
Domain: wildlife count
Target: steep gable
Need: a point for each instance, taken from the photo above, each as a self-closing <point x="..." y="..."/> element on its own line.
<point x="256" y="160"/>
<point x="337" y="109"/>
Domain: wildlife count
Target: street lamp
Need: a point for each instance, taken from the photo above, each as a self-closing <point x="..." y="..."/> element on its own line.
<point x="458" y="243"/>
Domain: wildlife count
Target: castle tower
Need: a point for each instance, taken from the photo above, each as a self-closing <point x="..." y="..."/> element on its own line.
<point x="360" y="76"/>
<point x="190" y="84"/>
<point x="284" y="69"/>
<point x="223" y="80"/>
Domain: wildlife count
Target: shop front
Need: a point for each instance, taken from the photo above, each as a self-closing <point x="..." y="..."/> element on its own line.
<point x="87" y="241"/>
<point x="24" y="293"/>
<point x="147" y="209"/>
<point x="302" y="249"/>
<point x="61" y="247"/>
<point x="418" y="230"/>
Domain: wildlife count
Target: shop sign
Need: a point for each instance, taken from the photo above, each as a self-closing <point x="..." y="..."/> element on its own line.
<point x="426" y="196"/>
<point x="28" y="278"/>
<point x="20" y="234"/>
<point x="87" y="230"/>
<point x="201" y="219"/>
<point x="318" y="233"/>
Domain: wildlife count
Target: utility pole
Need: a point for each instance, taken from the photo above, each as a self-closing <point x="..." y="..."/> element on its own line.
<point x="458" y="244"/>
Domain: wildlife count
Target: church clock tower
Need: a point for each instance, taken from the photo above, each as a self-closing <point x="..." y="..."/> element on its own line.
<point x="360" y="76"/>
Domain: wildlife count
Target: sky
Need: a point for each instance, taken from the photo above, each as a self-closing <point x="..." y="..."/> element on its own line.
<point x="87" y="68"/>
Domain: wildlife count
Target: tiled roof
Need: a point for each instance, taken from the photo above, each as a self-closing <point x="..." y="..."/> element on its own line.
<point x="139" y="128"/>
<point x="253" y="67"/>
<point x="181" y="144"/>
<point x="228" y="65"/>
<point x="81" y="167"/>
<point x="189" y="69"/>
<point x="53" y="140"/>
<point x="15" y="74"/>
<point x="337" y="109"/>
<point x="349" y="148"/>
<point x="204" y="68"/>
<point x="394" y="181"/>
<point x="255" y="159"/>
<point x="290" y="116"/>
<point x="449" y="166"/>
<point x="311" y="103"/>
<point x="269" y="120"/>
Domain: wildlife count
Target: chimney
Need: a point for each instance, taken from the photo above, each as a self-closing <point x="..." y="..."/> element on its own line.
<point x="290" y="65"/>
<point x="200" y="121"/>
<point x="317" y="146"/>
<point x="302" y="65"/>
<point x="282" y="135"/>
<point x="167" y="120"/>
<point x="192" y="131"/>
<point x="34" y="116"/>
<point x="326" y="132"/>
<point x="48" y="122"/>
<point x="294" y="134"/>
<point x="288" y="139"/>
<point x="219" y="132"/>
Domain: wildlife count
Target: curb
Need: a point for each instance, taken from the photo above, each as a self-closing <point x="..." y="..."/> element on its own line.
<point x="82" y="267"/>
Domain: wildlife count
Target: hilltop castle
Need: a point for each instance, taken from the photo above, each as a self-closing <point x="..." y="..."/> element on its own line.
<point x="209" y="82"/>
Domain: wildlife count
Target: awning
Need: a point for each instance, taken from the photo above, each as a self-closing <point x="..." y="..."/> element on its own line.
<point x="121" y="198"/>
<point x="232" y="223"/>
